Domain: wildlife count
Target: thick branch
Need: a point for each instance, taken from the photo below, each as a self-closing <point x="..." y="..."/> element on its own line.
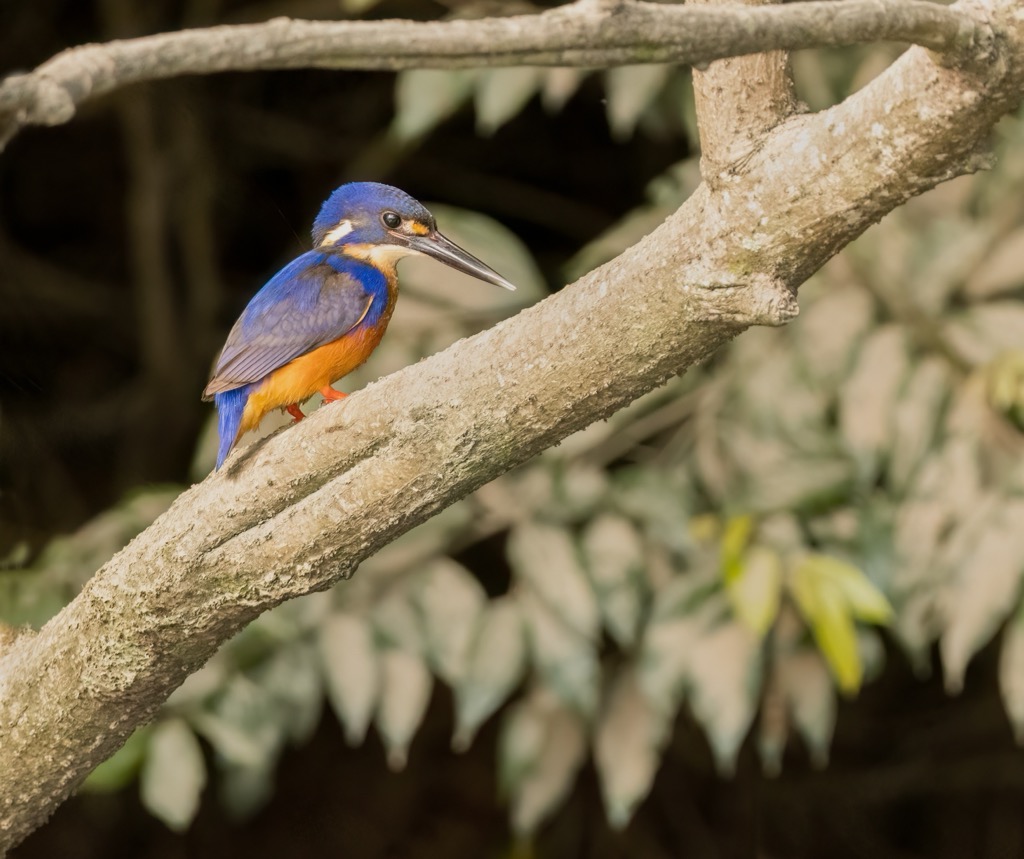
<point x="581" y="34"/>
<point x="297" y="512"/>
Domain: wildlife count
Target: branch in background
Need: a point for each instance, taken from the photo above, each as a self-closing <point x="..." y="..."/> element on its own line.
<point x="580" y="34"/>
<point x="297" y="512"/>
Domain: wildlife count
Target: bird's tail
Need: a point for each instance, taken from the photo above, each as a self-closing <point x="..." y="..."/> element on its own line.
<point x="230" y="406"/>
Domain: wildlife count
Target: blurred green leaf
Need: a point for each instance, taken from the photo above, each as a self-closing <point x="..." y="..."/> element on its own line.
<point x="580" y="490"/>
<point x="566" y="659"/>
<point x="631" y="91"/>
<point x="917" y="419"/>
<point x="1001" y="271"/>
<point x="244" y="724"/>
<point x="245" y="789"/>
<point x="830" y="330"/>
<point x="614" y="554"/>
<point x="424" y="98"/>
<point x="811" y="699"/>
<point x="450" y="601"/>
<point x="502" y="93"/>
<point x="292" y="676"/>
<point x="869" y="396"/>
<point x="173" y="774"/>
<point x="545" y="557"/>
<point x="351" y="671"/>
<point x="981" y="332"/>
<point x="560" y="84"/>
<point x="497" y="659"/>
<point x="405" y="693"/>
<point x="541" y="749"/>
<point x="627" y="747"/>
<point x="988" y="564"/>
<point x="396" y="621"/>
<point x="682" y="615"/>
<point x="658" y="500"/>
<point x="725" y="674"/>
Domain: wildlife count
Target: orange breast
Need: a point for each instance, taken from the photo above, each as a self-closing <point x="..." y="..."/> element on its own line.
<point x="299" y="379"/>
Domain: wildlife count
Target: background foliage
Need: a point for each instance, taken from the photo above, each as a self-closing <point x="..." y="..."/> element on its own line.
<point x="651" y="640"/>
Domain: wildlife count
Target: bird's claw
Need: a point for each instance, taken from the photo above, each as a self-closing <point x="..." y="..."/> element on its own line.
<point x="330" y="395"/>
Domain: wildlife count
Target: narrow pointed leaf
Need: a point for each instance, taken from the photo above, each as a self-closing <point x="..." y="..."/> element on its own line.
<point x="631" y="90"/>
<point x="865" y="601"/>
<point x="811" y="700"/>
<point x="614" y="556"/>
<point x="565" y="659"/>
<point x="351" y="671"/>
<point x="544" y="780"/>
<point x="405" y="693"/>
<point x="725" y="675"/>
<point x="497" y="658"/>
<point x="502" y="93"/>
<point x="756" y="590"/>
<point x="630" y="735"/>
<point x="424" y="98"/>
<point x="868" y="397"/>
<point x="450" y="601"/>
<point x="293" y="677"/>
<point x="173" y="775"/>
<point x="735" y="538"/>
<point x="985" y="588"/>
<point x="545" y="557"/>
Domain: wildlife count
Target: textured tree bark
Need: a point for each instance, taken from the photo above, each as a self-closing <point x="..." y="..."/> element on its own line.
<point x="295" y="513"/>
<point x="584" y="33"/>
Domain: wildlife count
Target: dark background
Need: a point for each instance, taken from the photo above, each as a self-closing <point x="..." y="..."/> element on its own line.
<point x="131" y="237"/>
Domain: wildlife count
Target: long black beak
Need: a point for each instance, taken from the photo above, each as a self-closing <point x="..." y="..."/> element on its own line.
<point x="445" y="250"/>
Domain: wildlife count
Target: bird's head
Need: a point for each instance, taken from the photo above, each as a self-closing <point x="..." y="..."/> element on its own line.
<point x="381" y="224"/>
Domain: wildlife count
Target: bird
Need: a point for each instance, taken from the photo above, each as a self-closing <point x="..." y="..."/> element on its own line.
<point x="321" y="316"/>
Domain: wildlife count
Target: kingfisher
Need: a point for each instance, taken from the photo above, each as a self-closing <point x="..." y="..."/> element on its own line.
<point x="322" y="315"/>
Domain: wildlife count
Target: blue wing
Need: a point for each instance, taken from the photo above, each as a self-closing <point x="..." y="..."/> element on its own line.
<point x="306" y="304"/>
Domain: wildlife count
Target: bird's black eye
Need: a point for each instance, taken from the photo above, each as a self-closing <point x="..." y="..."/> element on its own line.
<point x="390" y="220"/>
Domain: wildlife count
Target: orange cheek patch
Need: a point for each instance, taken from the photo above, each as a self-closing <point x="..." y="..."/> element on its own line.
<point x="418" y="228"/>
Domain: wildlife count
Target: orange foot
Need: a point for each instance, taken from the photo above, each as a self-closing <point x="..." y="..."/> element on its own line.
<point x="330" y="395"/>
<point x="295" y="412"/>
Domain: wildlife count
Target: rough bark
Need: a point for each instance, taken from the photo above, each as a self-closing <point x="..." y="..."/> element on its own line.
<point x="298" y="511"/>
<point x="581" y="34"/>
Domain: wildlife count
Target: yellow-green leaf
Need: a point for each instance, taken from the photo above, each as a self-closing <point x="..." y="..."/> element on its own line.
<point x="756" y="591"/>
<point x="831" y="594"/>
<point x="735" y="539"/>
<point x="865" y="601"/>
<point x="826" y="611"/>
<point x="836" y="635"/>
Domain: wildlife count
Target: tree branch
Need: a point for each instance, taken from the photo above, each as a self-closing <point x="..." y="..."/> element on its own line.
<point x="739" y="100"/>
<point x="580" y="34"/>
<point x="297" y="512"/>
